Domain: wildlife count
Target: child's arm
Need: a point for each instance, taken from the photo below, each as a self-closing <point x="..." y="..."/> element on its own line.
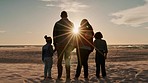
<point x="106" y="50"/>
<point x="42" y="55"/>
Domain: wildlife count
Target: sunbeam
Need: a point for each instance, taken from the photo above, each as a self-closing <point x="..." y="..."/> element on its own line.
<point x="76" y="28"/>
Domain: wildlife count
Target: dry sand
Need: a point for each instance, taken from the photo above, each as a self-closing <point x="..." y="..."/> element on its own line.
<point x="24" y="65"/>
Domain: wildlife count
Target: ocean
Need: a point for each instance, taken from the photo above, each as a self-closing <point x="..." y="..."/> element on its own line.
<point x="129" y="46"/>
<point x="33" y="53"/>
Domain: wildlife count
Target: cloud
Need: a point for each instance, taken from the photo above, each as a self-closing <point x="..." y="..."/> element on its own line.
<point x="146" y="27"/>
<point x="50" y="5"/>
<point x="2" y="31"/>
<point x="49" y="0"/>
<point x="67" y="5"/>
<point x="133" y="17"/>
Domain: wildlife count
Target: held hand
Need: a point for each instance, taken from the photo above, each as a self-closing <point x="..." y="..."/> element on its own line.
<point x="105" y="55"/>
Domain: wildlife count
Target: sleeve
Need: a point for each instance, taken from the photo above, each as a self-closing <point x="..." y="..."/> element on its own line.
<point x="42" y="54"/>
<point x="55" y="34"/>
<point x="92" y="32"/>
<point x="95" y="44"/>
<point x="106" y="50"/>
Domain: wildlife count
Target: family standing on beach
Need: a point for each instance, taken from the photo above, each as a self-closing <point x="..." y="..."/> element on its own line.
<point x="65" y="42"/>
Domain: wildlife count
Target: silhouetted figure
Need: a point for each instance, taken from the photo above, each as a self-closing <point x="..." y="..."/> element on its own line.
<point x="84" y="47"/>
<point x="47" y="53"/>
<point x="63" y="42"/>
<point x="101" y="54"/>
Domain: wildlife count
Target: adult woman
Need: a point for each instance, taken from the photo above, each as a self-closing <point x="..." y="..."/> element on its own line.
<point x="84" y="47"/>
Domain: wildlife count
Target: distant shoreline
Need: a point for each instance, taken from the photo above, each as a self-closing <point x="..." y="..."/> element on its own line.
<point x="141" y="46"/>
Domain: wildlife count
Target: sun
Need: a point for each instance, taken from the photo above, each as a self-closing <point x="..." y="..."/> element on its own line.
<point x="75" y="31"/>
<point x="76" y="28"/>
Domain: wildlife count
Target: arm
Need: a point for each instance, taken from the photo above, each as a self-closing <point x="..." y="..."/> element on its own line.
<point x="42" y="54"/>
<point x="106" y="50"/>
<point x="92" y="32"/>
<point x="55" y="35"/>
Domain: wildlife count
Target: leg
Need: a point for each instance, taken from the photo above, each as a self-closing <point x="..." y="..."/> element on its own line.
<point x="59" y="62"/>
<point x="103" y="67"/>
<point x="67" y="64"/>
<point x="97" y="66"/>
<point x="78" y="71"/>
<point x="85" y="62"/>
<point x="45" y="68"/>
<point x="85" y="70"/>
<point x="68" y="50"/>
<point x="50" y="62"/>
<point x="79" y="64"/>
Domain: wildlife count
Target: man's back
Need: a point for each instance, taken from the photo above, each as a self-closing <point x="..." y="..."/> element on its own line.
<point x="62" y="37"/>
<point x="62" y="31"/>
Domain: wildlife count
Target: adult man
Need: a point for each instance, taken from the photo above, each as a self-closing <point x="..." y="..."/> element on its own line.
<point x="62" y="38"/>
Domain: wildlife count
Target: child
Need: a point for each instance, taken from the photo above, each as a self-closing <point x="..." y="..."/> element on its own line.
<point x="101" y="54"/>
<point x="47" y="53"/>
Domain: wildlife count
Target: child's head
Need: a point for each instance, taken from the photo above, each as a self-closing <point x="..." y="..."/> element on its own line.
<point x="48" y="39"/>
<point x="98" y="35"/>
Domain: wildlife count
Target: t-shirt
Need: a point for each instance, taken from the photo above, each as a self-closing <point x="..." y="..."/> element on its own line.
<point x="47" y="51"/>
<point x="100" y="44"/>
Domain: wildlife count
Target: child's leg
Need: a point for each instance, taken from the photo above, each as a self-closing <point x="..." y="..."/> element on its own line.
<point x="50" y="62"/>
<point x="97" y="66"/>
<point x="103" y="70"/>
<point x="45" y="68"/>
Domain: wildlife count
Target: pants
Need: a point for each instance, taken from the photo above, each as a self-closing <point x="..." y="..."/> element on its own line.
<point x="100" y="62"/>
<point x="64" y="51"/>
<point x="82" y="55"/>
<point x="48" y="65"/>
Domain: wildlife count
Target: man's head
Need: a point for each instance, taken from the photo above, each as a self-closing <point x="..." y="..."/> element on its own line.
<point x="64" y="14"/>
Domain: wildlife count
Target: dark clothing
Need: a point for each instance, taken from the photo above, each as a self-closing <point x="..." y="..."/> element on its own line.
<point x="47" y="66"/>
<point x="100" y="62"/>
<point x="100" y="44"/>
<point x="47" y="51"/>
<point x="62" y="38"/>
<point x="85" y="40"/>
<point x="62" y="32"/>
<point x="66" y="53"/>
<point x="84" y="48"/>
<point x="83" y="56"/>
<point x="101" y="50"/>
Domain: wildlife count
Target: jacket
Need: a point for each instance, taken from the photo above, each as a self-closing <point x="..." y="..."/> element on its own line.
<point x="62" y="32"/>
<point x="85" y="40"/>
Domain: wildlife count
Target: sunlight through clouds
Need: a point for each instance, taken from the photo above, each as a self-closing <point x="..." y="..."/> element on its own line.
<point x="67" y="5"/>
<point x="133" y="17"/>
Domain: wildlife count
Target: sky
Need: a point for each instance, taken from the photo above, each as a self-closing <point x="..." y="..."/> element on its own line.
<point x="25" y="22"/>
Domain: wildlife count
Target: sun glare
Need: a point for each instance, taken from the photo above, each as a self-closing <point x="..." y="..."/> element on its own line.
<point x="76" y="28"/>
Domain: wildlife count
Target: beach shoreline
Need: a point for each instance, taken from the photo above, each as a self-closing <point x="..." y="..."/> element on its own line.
<point x="24" y="65"/>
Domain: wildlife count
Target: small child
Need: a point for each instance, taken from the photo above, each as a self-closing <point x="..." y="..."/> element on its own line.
<point x="47" y="53"/>
<point x="101" y="54"/>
